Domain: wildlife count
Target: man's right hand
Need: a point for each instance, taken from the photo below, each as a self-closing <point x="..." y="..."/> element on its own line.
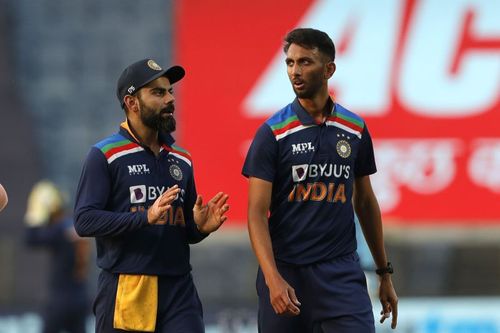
<point x="283" y="298"/>
<point x="157" y="212"/>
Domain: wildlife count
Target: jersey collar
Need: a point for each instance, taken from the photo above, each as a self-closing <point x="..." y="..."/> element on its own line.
<point x="304" y="117"/>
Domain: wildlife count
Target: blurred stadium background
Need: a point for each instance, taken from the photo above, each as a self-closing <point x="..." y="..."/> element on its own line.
<point x="425" y="74"/>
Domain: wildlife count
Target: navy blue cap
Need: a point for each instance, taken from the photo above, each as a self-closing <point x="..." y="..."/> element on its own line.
<point x="140" y="73"/>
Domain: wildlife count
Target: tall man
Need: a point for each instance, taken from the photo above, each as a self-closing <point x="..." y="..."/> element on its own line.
<point x="137" y="197"/>
<point x="308" y="169"/>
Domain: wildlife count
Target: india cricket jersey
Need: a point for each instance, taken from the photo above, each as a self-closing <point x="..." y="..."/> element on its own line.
<point x="312" y="168"/>
<point x="120" y="180"/>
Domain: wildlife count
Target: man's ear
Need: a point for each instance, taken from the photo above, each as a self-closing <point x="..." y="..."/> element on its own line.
<point x="330" y="69"/>
<point x="130" y="103"/>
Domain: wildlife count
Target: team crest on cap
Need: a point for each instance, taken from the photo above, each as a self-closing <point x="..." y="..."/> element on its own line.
<point x="153" y="65"/>
<point x="175" y="172"/>
<point x="343" y="149"/>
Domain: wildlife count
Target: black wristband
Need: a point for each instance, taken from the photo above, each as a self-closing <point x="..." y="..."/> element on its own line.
<point x="386" y="270"/>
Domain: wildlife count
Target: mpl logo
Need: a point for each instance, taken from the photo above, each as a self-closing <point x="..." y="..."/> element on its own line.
<point x="301" y="148"/>
<point x="138" y="194"/>
<point x="138" y="169"/>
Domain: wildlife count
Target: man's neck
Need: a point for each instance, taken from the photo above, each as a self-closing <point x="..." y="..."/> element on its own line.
<point x="317" y="106"/>
<point x="146" y="136"/>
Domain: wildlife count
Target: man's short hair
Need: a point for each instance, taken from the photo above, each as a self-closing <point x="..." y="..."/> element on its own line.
<point x="311" y="38"/>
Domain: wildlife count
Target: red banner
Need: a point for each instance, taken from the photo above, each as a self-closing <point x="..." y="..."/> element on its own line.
<point x="425" y="75"/>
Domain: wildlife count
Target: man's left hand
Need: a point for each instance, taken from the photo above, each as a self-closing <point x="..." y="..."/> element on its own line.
<point x="210" y="217"/>
<point x="389" y="300"/>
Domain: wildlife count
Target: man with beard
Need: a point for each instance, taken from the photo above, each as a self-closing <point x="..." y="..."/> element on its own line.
<point x="137" y="197"/>
<point x="308" y="169"/>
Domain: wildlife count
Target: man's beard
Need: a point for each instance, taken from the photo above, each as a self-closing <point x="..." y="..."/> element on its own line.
<point x="158" y="121"/>
<point x="314" y="86"/>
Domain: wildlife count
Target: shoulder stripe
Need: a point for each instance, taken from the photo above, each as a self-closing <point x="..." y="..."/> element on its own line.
<point x="291" y="130"/>
<point x="281" y="118"/>
<point x="179" y="153"/>
<point x="284" y="123"/>
<point x="182" y="150"/>
<point x="347" y="115"/>
<point x="110" y="140"/>
<point x="118" y="151"/>
<point x="344" y="127"/>
<point x="121" y="153"/>
<point x="117" y="146"/>
<point x="182" y="157"/>
<point x="346" y="120"/>
<point x="349" y="119"/>
<point x="114" y="145"/>
<point x="288" y="126"/>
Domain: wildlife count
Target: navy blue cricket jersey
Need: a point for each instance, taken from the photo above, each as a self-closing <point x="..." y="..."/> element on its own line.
<point x="63" y="282"/>
<point x="312" y="167"/>
<point x="120" y="180"/>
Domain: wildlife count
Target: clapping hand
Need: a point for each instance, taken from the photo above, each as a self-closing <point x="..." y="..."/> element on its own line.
<point x="163" y="203"/>
<point x="210" y="217"/>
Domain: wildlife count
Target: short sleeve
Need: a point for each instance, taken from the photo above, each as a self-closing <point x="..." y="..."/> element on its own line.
<point x="365" y="160"/>
<point x="262" y="155"/>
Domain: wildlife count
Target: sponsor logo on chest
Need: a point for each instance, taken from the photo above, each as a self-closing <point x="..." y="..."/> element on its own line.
<point x="143" y="193"/>
<point x="302" y="148"/>
<point x="138" y="169"/>
<point x="303" y="172"/>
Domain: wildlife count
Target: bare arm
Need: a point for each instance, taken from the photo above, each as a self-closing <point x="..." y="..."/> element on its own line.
<point x="282" y="295"/>
<point x="368" y="211"/>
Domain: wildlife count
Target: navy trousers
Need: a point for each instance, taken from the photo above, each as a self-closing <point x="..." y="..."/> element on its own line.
<point x="179" y="307"/>
<point x="333" y="295"/>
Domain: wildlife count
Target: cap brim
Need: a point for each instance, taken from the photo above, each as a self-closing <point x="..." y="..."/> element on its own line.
<point x="174" y="74"/>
